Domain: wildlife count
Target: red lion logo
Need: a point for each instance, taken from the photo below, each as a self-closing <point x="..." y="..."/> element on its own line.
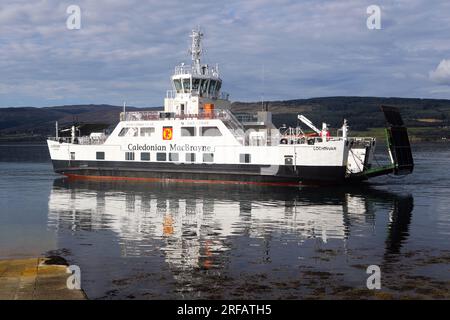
<point x="167" y="133"/>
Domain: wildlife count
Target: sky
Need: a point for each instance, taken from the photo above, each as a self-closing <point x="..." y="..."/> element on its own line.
<point x="126" y="50"/>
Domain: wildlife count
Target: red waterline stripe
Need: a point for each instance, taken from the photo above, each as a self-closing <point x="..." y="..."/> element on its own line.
<point x="112" y="178"/>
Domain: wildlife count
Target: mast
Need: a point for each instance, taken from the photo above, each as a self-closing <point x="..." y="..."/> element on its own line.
<point x="196" y="49"/>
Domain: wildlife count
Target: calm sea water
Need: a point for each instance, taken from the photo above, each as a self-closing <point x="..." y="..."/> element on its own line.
<point x="156" y="241"/>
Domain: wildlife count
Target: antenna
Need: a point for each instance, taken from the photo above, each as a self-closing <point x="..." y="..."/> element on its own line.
<point x="263" y="86"/>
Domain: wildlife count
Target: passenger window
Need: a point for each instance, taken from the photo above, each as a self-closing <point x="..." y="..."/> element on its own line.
<point x="173" y="156"/>
<point x="210" y="132"/>
<point x="208" y="157"/>
<point x="187" y="131"/>
<point x="123" y="132"/>
<point x="145" y="156"/>
<point x="100" y="155"/>
<point x="161" y="156"/>
<point x="244" y="158"/>
<point x="129" y="156"/>
<point x="147" y="131"/>
<point x="190" y="157"/>
<point x="128" y="132"/>
<point x="72" y="156"/>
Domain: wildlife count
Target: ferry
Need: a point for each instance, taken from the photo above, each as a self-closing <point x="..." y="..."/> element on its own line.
<point x="197" y="138"/>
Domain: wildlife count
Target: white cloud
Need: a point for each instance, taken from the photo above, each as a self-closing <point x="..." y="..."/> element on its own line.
<point x="441" y="74"/>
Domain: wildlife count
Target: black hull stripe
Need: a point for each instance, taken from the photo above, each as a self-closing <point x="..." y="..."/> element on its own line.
<point x="167" y="170"/>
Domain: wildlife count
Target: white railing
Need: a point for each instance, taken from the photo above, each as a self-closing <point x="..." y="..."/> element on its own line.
<point x="172" y="94"/>
<point x="184" y="69"/>
<point x="224" y="95"/>
<point x="140" y="116"/>
<point x="292" y="136"/>
<point x="234" y="123"/>
<point x="92" y="140"/>
<point x="85" y="140"/>
<point x="187" y="69"/>
<point x="361" y="141"/>
<point x="245" y="117"/>
<point x="288" y="139"/>
<point x="161" y="115"/>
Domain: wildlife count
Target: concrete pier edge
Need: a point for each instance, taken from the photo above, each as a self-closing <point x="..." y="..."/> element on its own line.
<point x="42" y="278"/>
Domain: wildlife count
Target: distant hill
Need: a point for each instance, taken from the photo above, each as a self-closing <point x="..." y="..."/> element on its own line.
<point x="29" y="121"/>
<point x="362" y="112"/>
<point x="429" y="118"/>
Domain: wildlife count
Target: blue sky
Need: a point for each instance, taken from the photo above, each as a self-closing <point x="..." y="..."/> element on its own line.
<point x="126" y="50"/>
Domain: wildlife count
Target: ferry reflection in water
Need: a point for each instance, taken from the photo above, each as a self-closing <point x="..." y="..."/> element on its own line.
<point x="206" y="241"/>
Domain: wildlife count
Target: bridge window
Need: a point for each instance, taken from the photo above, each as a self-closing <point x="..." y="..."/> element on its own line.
<point x="195" y="84"/>
<point x="208" y="157"/>
<point x="212" y="86"/>
<point x="210" y="132"/>
<point x="145" y="156"/>
<point x="187" y="131"/>
<point x="147" y="131"/>
<point x="129" y="156"/>
<point x="204" y="86"/>
<point x="218" y="85"/>
<point x="190" y="157"/>
<point x="100" y="155"/>
<point x="128" y="132"/>
<point x="244" y="158"/>
<point x="161" y="156"/>
<point x="177" y="84"/>
<point x="187" y="85"/>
